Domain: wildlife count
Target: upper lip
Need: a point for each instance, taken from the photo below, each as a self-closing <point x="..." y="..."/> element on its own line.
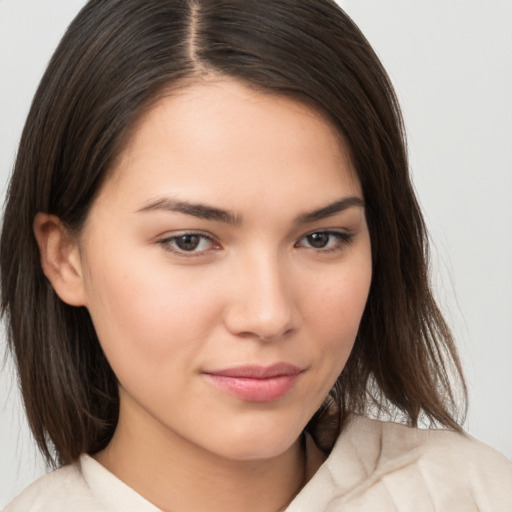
<point x="258" y="372"/>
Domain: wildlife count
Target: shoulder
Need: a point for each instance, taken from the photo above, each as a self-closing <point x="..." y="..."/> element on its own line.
<point x="393" y="466"/>
<point x="83" y="486"/>
<point x="63" y="490"/>
<point x="387" y="442"/>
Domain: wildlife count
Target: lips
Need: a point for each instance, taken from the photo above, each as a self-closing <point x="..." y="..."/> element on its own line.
<point x="256" y="383"/>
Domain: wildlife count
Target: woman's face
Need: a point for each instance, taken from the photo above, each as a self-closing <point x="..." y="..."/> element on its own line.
<point x="226" y="264"/>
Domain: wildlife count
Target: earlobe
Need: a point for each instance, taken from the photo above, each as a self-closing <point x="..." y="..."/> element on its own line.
<point x="60" y="259"/>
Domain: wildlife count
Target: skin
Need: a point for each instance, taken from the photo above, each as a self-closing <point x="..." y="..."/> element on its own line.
<point x="254" y="291"/>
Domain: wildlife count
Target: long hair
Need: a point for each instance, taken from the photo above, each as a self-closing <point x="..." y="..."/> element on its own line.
<point x="115" y="60"/>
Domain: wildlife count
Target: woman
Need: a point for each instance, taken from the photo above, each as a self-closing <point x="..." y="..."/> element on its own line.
<point x="214" y="267"/>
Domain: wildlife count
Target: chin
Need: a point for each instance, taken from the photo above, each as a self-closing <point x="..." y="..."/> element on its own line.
<point x="256" y="441"/>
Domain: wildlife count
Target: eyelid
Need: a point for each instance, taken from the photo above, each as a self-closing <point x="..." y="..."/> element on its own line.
<point x="344" y="238"/>
<point x="166" y="243"/>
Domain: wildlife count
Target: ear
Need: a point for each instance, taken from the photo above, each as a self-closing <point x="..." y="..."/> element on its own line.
<point x="60" y="259"/>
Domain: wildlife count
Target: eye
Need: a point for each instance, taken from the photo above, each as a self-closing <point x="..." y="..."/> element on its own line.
<point x="189" y="243"/>
<point x="325" y="240"/>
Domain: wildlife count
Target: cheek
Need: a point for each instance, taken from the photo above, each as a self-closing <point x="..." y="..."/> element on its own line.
<point x="146" y="314"/>
<point x="334" y="313"/>
<point x="339" y="304"/>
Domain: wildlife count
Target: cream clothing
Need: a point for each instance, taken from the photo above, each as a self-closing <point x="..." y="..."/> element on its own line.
<point x="374" y="467"/>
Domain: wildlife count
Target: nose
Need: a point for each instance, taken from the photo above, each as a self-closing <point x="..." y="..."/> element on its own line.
<point x="262" y="303"/>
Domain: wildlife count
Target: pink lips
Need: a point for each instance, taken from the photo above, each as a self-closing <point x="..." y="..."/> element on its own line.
<point x="256" y="383"/>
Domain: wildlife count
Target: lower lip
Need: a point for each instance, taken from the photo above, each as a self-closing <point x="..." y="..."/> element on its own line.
<point x="255" y="390"/>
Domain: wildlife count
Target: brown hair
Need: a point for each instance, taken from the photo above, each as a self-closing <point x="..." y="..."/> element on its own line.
<point x="118" y="56"/>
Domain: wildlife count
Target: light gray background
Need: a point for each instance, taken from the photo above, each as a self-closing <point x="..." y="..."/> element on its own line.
<point x="451" y="63"/>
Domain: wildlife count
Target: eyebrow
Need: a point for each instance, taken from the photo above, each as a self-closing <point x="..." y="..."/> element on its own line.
<point x="201" y="211"/>
<point x="330" y="210"/>
<point x="207" y="212"/>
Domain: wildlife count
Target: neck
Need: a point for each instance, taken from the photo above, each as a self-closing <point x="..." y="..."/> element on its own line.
<point x="177" y="475"/>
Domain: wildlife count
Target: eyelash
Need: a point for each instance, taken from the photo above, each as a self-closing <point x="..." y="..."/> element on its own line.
<point x="343" y="239"/>
<point x="168" y="243"/>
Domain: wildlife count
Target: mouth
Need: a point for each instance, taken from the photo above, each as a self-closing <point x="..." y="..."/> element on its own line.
<point x="254" y="383"/>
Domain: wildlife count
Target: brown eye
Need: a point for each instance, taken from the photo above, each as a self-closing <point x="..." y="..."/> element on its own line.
<point x="326" y="241"/>
<point x="318" y="240"/>
<point x="187" y="242"/>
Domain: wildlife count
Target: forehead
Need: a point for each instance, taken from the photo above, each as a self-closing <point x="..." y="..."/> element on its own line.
<point x="221" y="136"/>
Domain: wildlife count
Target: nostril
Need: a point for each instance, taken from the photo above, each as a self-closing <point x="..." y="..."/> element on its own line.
<point x="247" y="323"/>
<point x="273" y="338"/>
<point x="262" y="305"/>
